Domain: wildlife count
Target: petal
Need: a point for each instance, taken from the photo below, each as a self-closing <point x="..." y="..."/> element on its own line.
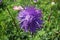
<point x="18" y="8"/>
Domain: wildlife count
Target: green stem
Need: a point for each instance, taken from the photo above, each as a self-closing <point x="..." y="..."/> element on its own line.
<point x="50" y="14"/>
<point x="12" y="18"/>
<point x="32" y="35"/>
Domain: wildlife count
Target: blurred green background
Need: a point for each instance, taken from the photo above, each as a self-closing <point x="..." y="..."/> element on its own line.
<point x="10" y="28"/>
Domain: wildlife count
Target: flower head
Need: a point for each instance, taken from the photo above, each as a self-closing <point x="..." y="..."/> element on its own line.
<point x="35" y="1"/>
<point x="53" y="3"/>
<point x="18" y="8"/>
<point x="30" y="19"/>
<point x="0" y="2"/>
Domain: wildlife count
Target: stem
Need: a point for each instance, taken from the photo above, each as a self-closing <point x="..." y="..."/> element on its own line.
<point x="12" y="18"/>
<point x="50" y="14"/>
<point x="32" y="35"/>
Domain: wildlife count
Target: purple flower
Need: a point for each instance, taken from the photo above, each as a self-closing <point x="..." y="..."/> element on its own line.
<point x="35" y="1"/>
<point x="0" y="2"/>
<point x="30" y="19"/>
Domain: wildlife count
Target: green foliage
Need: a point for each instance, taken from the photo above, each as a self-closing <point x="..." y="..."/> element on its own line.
<point x="9" y="26"/>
